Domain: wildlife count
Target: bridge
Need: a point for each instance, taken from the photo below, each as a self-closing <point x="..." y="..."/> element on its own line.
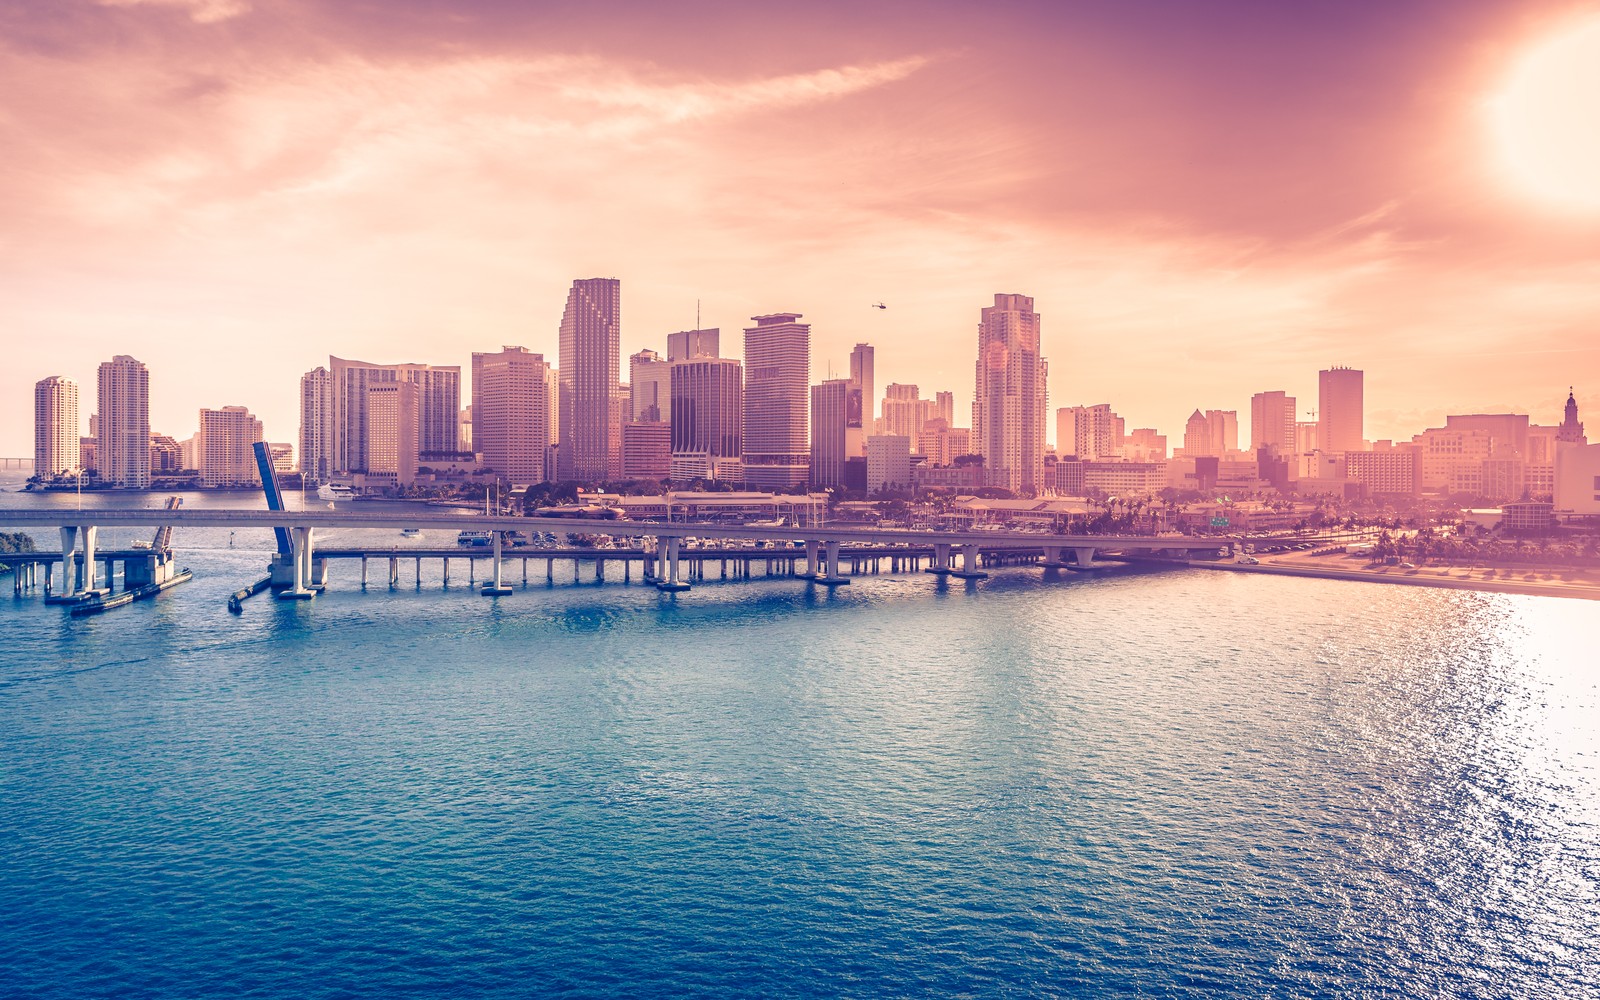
<point x="16" y="463"/>
<point x="953" y="553"/>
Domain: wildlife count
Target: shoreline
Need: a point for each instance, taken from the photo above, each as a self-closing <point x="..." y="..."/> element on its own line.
<point x="1582" y="589"/>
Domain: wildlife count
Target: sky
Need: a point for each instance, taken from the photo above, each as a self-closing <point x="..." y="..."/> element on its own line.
<point x="1204" y="200"/>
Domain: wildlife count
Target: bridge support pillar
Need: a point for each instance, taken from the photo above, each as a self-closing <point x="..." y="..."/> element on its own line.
<point x="1084" y="556"/>
<point x="830" y="570"/>
<point x="672" y="583"/>
<point x="969" y="564"/>
<point x="812" y="569"/>
<point x="87" y="583"/>
<point x="301" y="555"/>
<point x="69" y="549"/>
<point x="494" y="586"/>
<point x="940" y="562"/>
<point x="1052" y="557"/>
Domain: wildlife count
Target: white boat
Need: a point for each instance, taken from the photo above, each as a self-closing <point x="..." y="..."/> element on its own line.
<point x="334" y="491"/>
<point x="411" y="532"/>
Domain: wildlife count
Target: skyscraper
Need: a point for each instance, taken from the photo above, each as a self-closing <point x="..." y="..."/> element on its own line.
<point x="227" y="454"/>
<point x="512" y="409"/>
<point x="1340" y="408"/>
<point x="55" y="426"/>
<point x="1008" y="408"/>
<point x="123" y="446"/>
<point x="393" y="440"/>
<point x="316" y="425"/>
<point x="861" y="373"/>
<point x="777" y="371"/>
<point x="437" y="391"/>
<point x="590" y="404"/>
<point x="687" y="345"/>
<point x="650" y="377"/>
<point x="830" y="415"/>
<point x="707" y="418"/>
<point x="1272" y="422"/>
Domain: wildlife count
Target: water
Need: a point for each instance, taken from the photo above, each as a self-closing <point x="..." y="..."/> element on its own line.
<point x="1127" y="785"/>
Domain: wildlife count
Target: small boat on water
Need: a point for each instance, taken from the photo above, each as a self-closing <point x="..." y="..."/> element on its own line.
<point x="411" y="532"/>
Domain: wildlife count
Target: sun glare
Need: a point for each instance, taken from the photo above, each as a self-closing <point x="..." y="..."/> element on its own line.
<point x="1548" y="119"/>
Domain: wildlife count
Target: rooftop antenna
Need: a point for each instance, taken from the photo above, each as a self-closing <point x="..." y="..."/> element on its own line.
<point x="697" y="314"/>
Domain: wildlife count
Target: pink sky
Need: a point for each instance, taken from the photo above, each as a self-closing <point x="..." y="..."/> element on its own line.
<point x="1205" y="200"/>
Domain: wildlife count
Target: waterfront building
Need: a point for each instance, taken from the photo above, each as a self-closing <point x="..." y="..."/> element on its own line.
<point x="1010" y="397"/>
<point x="123" y="434"/>
<point x="830" y="417"/>
<point x="1273" y="423"/>
<point x="1340" y="409"/>
<point x="777" y="372"/>
<point x="688" y="345"/>
<point x="316" y="425"/>
<point x="646" y="449"/>
<point x="437" y="391"/>
<point x="1577" y="479"/>
<point x="282" y="455"/>
<point x="888" y="462"/>
<point x="650" y="387"/>
<point x="55" y="426"/>
<point x="707" y="419"/>
<point x="166" y="455"/>
<point x="590" y="405"/>
<point x="512" y="406"/>
<point x="393" y="417"/>
<point x="1391" y="472"/>
<point x="227" y="454"/>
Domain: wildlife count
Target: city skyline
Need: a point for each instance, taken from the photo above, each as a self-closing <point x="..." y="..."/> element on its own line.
<point x="194" y="212"/>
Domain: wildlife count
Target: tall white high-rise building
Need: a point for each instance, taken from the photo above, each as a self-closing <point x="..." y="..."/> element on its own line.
<point x="55" y="426"/>
<point x="590" y="360"/>
<point x="437" y="391"/>
<point x="227" y="452"/>
<point x="316" y="425"/>
<point x="123" y="441"/>
<point x="777" y="379"/>
<point x="512" y="407"/>
<point x="1341" y="402"/>
<point x="1009" y="404"/>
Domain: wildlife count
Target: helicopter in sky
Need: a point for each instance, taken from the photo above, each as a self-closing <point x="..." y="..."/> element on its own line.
<point x="879" y="305"/>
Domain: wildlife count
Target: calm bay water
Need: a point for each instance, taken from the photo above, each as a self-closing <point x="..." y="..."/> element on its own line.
<point x="1129" y="784"/>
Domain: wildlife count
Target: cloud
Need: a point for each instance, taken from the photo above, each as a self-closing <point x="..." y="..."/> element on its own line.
<point x="200" y="11"/>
